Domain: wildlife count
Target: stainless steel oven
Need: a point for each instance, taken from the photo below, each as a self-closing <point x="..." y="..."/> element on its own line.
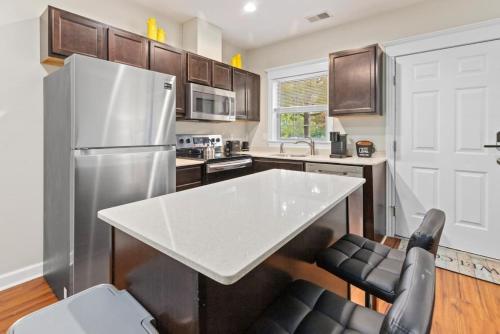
<point x="210" y="104"/>
<point x="230" y="168"/>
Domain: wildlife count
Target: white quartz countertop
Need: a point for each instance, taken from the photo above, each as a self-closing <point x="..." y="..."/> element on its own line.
<point x="376" y="159"/>
<point x="224" y="230"/>
<point x="187" y="162"/>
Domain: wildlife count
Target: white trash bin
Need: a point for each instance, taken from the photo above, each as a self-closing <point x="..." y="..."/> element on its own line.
<point x="101" y="309"/>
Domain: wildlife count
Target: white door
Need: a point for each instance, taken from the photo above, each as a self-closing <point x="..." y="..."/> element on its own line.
<point x="448" y="108"/>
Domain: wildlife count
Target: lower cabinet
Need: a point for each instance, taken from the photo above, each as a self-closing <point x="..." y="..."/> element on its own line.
<point x="188" y="177"/>
<point x="263" y="164"/>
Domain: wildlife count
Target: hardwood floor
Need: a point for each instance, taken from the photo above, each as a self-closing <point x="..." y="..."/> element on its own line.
<point x="23" y="299"/>
<point x="463" y="304"/>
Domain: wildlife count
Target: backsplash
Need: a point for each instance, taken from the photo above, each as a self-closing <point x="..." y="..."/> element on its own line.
<point x="229" y="130"/>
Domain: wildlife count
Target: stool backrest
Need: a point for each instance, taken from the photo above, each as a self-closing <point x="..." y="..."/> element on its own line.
<point x="412" y="310"/>
<point x="428" y="234"/>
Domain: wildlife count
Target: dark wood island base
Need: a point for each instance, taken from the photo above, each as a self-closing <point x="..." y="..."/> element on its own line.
<point x="185" y="301"/>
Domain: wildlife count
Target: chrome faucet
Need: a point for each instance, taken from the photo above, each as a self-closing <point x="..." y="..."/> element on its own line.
<point x="282" y="148"/>
<point x="312" y="145"/>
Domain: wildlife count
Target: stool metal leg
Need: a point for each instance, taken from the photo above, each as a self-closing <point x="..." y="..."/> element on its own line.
<point x="368" y="300"/>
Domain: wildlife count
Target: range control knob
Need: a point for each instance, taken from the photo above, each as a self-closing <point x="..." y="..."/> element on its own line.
<point x="181" y="141"/>
<point x="188" y="140"/>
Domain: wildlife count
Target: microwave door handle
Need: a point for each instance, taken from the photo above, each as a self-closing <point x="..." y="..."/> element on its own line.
<point x="232" y="102"/>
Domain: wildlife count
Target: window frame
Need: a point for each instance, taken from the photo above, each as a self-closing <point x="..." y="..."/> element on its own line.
<point x="293" y="72"/>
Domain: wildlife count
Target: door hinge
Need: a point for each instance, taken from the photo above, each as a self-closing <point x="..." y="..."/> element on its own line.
<point x="394" y="80"/>
<point x="394" y="146"/>
<point x="393" y="208"/>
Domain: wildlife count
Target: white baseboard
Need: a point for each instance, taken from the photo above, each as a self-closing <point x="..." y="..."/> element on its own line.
<point x="19" y="276"/>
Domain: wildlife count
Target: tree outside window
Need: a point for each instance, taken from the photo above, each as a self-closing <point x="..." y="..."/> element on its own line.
<point x="300" y="107"/>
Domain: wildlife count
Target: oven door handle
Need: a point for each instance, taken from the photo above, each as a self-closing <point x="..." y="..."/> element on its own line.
<point x="228" y="165"/>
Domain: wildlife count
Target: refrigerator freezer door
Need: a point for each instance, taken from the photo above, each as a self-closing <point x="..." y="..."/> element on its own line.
<point x="106" y="178"/>
<point x="116" y="105"/>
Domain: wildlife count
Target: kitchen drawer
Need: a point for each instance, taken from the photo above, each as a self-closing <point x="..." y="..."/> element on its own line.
<point x="188" y="177"/>
<point x="263" y="164"/>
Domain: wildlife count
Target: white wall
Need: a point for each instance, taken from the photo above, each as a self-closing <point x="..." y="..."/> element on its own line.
<point x="21" y="120"/>
<point x="424" y="17"/>
<point x="203" y="38"/>
<point x="21" y="148"/>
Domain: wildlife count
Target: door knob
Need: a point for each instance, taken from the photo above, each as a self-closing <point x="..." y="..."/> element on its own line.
<point x="497" y="145"/>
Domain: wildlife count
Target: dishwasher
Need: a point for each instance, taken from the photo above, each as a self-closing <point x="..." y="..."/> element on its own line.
<point x="355" y="199"/>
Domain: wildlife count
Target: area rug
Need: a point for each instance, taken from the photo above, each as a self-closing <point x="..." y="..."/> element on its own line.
<point x="472" y="265"/>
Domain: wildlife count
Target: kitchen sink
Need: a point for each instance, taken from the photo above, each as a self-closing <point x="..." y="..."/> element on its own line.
<point x="288" y="155"/>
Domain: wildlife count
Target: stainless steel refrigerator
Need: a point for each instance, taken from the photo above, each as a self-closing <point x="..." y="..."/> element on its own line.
<point x="109" y="139"/>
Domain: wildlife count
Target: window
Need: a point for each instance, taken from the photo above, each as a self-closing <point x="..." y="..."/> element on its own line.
<point x="299" y="103"/>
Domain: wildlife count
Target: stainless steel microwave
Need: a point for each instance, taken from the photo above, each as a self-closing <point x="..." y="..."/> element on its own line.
<point x="210" y="104"/>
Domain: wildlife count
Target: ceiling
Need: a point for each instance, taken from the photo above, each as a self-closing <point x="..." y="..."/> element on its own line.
<point x="274" y="20"/>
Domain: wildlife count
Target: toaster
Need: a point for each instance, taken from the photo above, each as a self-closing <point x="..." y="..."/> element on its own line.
<point x="232" y="146"/>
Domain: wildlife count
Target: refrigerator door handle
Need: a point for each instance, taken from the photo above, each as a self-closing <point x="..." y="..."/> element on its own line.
<point x="118" y="150"/>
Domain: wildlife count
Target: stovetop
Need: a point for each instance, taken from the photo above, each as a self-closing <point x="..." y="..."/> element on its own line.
<point x="192" y="146"/>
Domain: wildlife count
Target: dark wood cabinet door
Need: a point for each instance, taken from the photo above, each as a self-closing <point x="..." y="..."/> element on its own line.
<point x="70" y="33"/>
<point x="222" y="76"/>
<point x="253" y="96"/>
<point x="127" y="48"/>
<point x="353" y="81"/>
<point x="240" y="90"/>
<point x="199" y="69"/>
<point x="188" y="177"/>
<point x="263" y="164"/>
<point x="169" y="60"/>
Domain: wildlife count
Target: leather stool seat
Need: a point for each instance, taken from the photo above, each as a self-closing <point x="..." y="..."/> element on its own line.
<point x="307" y="308"/>
<point x="366" y="264"/>
<point x="374" y="267"/>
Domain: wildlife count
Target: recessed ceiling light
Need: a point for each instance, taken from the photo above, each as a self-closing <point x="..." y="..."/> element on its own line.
<point x="250" y="7"/>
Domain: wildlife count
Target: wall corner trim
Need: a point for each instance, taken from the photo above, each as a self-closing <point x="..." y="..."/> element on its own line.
<point x="20" y="276"/>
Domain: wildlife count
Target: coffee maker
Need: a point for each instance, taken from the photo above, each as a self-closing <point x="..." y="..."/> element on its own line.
<point x="339" y="145"/>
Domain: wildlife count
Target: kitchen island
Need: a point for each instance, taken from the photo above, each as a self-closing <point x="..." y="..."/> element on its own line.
<point x="210" y="259"/>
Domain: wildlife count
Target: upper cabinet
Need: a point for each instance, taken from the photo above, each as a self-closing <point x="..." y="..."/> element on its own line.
<point x="222" y="76"/>
<point x="253" y="97"/>
<point x="169" y="60"/>
<point x="355" y="81"/>
<point x="64" y="33"/>
<point x="127" y="48"/>
<point x="199" y="69"/>
<point x="246" y="86"/>
<point x="240" y="90"/>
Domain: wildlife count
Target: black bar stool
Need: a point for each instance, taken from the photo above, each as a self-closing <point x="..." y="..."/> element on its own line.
<point x="308" y="308"/>
<point x="376" y="268"/>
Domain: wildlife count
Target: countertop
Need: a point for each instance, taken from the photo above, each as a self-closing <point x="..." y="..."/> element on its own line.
<point x="224" y="230"/>
<point x="187" y="162"/>
<point x="376" y="159"/>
